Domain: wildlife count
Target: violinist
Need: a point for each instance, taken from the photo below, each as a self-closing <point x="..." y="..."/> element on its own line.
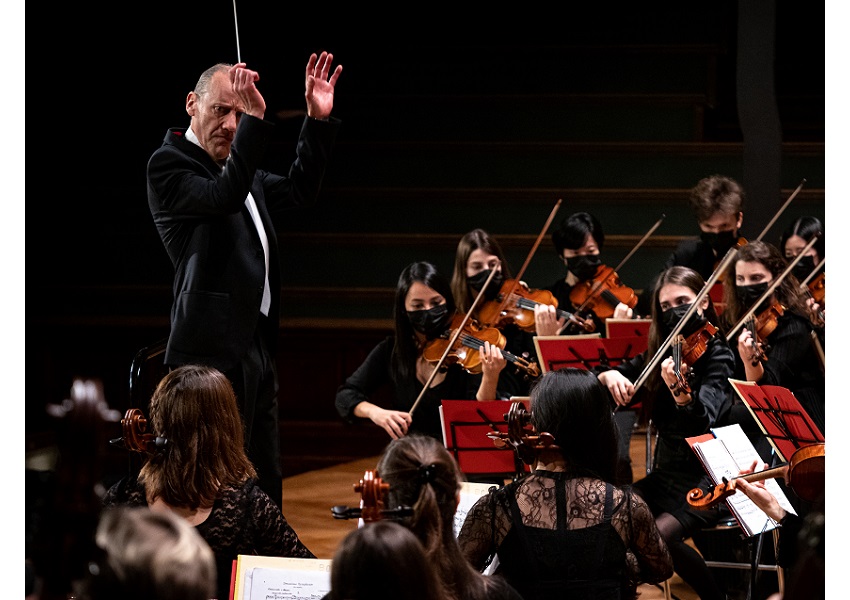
<point x="792" y="242"/>
<point x="424" y="309"/>
<point x="578" y="241"/>
<point x="565" y="530"/>
<point x="717" y="202"/>
<point x="478" y="254"/>
<point x="678" y="413"/>
<point x="781" y="351"/>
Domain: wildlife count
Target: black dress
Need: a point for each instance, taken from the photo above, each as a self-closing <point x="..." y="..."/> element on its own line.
<point x="243" y="520"/>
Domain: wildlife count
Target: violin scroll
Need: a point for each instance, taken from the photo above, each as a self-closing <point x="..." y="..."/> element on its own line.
<point x="705" y="499"/>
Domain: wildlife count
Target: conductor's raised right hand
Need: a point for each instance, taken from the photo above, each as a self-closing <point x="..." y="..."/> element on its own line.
<point x="244" y="85"/>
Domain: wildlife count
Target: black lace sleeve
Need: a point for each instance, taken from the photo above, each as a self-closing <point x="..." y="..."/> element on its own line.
<point x="647" y="554"/>
<point x="274" y="535"/>
<point x="486" y="525"/>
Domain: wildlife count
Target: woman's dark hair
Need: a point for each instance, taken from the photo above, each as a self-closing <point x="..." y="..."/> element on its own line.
<point x="788" y="293"/>
<point x="572" y="232"/>
<point x="685" y="277"/>
<point x="405" y="351"/>
<point x="469" y="243"/>
<point x="806" y="228"/>
<point x="382" y="561"/>
<point x="576" y="408"/>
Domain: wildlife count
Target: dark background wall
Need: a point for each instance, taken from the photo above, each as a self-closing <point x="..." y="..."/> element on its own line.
<point x="452" y="119"/>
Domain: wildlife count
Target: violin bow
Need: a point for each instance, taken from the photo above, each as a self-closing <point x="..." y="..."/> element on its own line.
<point x="519" y="275"/>
<point x="452" y="341"/>
<point x="616" y="270"/>
<point x="770" y="289"/>
<point x="727" y="260"/>
<point x="781" y="210"/>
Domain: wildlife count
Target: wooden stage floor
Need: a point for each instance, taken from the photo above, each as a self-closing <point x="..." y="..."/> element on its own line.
<point x="308" y="498"/>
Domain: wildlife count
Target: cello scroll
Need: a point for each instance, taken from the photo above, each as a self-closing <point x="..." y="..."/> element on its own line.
<point x="521" y="435"/>
<point x="373" y="499"/>
<point x="135" y="436"/>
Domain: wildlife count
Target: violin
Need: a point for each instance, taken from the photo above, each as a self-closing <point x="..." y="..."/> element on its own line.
<point x="515" y="303"/>
<point x="602" y="293"/>
<point x="761" y="326"/>
<point x="804" y="474"/>
<point x="373" y="499"/>
<point x="688" y="351"/>
<point x="521" y="435"/>
<point x="817" y="290"/>
<point x="465" y="349"/>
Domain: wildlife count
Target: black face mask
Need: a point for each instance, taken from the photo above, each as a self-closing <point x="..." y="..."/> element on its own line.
<point x="478" y="280"/>
<point x="670" y="319"/>
<point x="719" y="242"/>
<point x="431" y="322"/>
<point x="584" y="267"/>
<point x="748" y="294"/>
<point x="803" y="267"/>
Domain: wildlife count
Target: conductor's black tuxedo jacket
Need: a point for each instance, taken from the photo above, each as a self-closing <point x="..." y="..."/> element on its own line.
<point x="200" y="213"/>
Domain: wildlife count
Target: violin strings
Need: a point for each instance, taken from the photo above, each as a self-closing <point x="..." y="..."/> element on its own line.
<point x="530" y="304"/>
<point x="476" y="344"/>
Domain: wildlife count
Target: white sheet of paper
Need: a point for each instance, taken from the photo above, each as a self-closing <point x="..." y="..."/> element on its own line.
<point x="725" y="456"/>
<point x="287" y="584"/>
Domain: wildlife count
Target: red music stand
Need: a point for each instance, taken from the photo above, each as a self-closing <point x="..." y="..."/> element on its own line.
<point x="780" y="416"/>
<point x="556" y="352"/>
<point x="466" y="424"/>
<point x="627" y="327"/>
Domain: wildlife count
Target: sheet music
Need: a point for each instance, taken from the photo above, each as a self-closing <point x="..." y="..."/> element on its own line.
<point x="724" y="456"/>
<point x="287" y="584"/>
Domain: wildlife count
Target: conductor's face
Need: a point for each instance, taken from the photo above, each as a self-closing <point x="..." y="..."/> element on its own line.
<point x="215" y="115"/>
